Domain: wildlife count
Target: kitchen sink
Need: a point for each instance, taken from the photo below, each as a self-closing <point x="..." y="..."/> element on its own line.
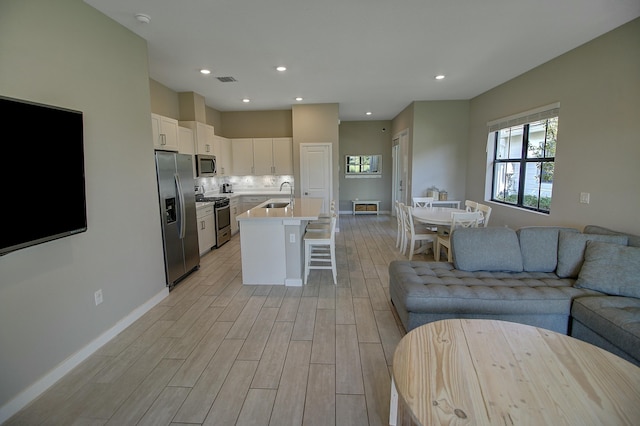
<point x="275" y="205"/>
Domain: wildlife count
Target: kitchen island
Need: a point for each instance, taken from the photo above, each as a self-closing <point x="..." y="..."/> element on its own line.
<point x="271" y="243"/>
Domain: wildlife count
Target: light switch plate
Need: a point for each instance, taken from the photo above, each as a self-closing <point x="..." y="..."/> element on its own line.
<point x="584" y="197"/>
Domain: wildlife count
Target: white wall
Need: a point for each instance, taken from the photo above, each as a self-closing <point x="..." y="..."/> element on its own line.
<point x="598" y="87"/>
<point x="66" y="53"/>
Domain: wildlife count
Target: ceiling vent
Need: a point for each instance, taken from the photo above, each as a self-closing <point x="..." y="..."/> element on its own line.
<point x="226" y="79"/>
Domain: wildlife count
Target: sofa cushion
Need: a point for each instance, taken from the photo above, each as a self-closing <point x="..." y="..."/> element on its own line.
<point x="611" y="269"/>
<point x="539" y="247"/>
<point x="634" y="240"/>
<point x="571" y="246"/>
<point x="617" y="319"/>
<point x="486" y="249"/>
<point x="437" y="287"/>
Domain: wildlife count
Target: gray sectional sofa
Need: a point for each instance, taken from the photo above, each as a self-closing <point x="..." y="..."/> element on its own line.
<point x="585" y="284"/>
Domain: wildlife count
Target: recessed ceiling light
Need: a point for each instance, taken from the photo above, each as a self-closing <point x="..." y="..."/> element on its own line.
<point x="439" y="77"/>
<point x="205" y="71"/>
<point x="298" y="99"/>
<point x="368" y="113"/>
<point x="142" y="18"/>
<point x="281" y="68"/>
<point x="245" y="100"/>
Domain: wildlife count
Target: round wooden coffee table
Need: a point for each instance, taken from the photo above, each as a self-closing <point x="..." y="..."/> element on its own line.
<point x="485" y="372"/>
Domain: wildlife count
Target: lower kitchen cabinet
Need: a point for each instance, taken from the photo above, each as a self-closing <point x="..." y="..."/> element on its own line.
<point x="206" y="229"/>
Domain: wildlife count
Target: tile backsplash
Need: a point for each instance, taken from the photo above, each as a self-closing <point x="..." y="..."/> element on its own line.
<point x="243" y="183"/>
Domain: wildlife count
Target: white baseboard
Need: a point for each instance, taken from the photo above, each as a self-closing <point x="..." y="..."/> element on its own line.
<point x="44" y="383"/>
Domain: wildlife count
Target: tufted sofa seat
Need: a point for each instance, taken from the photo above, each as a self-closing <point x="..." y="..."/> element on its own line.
<point x="423" y="292"/>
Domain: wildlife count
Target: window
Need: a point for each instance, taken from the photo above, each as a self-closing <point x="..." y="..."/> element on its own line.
<point x="524" y="160"/>
<point x="363" y="166"/>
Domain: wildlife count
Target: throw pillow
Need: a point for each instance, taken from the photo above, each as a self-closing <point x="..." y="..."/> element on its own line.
<point x="611" y="269"/>
<point x="571" y="248"/>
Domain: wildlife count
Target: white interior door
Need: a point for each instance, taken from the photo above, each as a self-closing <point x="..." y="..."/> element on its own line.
<point x="315" y="172"/>
<point x="396" y="185"/>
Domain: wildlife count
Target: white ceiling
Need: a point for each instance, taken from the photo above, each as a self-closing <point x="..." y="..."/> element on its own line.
<point x="366" y="55"/>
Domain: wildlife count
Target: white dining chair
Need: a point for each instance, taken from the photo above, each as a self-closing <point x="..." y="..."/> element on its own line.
<point x="320" y="251"/>
<point x="422" y="201"/>
<point x="458" y="220"/>
<point x="486" y="214"/>
<point x="471" y="206"/>
<point x="413" y="235"/>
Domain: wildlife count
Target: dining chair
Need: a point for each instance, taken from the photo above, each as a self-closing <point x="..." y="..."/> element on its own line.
<point x="413" y="235"/>
<point x="422" y="201"/>
<point x="320" y="251"/>
<point x="486" y="213"/>
<point x="471" y="206"/>
<point x="458" y="220"/>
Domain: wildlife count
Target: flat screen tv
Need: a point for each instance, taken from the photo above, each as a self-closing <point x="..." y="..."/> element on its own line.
<point x="42" y="174"/>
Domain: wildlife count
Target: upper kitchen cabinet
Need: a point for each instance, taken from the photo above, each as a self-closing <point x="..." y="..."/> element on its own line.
<point x="186" y="145"/>
<point x="204" y="136"/>
<point x="283" y="156"/>
<point x="165" y="132"/>
<point x="222" y="150"/>
<point x="242" y="156"/>
<point x="262" y="156"/>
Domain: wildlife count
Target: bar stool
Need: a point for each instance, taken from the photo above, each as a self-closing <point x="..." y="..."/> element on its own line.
<point x="320" y="251"/>
<point x="326" y="217"/>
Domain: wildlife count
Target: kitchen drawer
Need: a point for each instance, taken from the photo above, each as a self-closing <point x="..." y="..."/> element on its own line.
<point x="204" y="211"/>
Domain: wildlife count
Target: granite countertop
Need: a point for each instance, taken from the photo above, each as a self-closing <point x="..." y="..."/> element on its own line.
<point x="303" y="209"/>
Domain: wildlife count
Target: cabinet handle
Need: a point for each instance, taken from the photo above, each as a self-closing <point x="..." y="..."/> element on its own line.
<point x="163" y="139"/>
<point x="208" y="149"/>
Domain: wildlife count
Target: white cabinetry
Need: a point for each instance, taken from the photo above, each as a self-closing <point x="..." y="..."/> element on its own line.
<point x="186" y="145"/>
<point x="283" y="156"/>
<point x="242" y="156"/>
<point x="233" y="208"/>
<point x="165" y="132"/>
<point x="262" y="156"/>
<point x="222" y="151"/>
<point x="206" y="231"/>
<point x="204" y="136"/>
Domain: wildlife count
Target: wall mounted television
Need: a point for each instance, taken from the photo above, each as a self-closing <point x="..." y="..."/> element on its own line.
<point x="42" y="174"/>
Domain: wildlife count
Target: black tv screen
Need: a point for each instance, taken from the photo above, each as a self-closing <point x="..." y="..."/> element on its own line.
<point x="42" y="174"/>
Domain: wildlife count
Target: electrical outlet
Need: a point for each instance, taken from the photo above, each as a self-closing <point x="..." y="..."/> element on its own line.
<point x="98" y="297"/>
<point x="292" y="238"/>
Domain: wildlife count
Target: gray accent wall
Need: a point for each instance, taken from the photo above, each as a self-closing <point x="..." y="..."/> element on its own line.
<point x="366" y="138"/>
<point x="598" y="87"/>
<point x="66" y="53"/>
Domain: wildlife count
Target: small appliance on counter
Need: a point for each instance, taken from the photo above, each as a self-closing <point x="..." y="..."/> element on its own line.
<point x="226" y="188"/>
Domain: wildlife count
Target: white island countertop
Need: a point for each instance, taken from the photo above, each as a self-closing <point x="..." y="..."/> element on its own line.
<point x="303" y="209"/>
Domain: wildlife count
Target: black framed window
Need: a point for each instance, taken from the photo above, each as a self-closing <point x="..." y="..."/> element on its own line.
<point x="524" y="163"/>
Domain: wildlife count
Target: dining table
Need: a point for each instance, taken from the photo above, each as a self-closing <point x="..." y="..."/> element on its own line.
<point x="434" y="215"/>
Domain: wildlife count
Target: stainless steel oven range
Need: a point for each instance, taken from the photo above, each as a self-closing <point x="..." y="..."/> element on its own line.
<point x="222" y="216"/>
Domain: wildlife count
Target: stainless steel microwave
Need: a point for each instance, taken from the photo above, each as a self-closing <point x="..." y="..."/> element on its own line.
<point x="206" y="165"/>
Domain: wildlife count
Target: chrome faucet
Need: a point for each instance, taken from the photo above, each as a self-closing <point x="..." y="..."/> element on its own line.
<point x="290" y="191"/>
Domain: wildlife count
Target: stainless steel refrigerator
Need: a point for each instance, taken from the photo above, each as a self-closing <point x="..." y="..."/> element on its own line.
<point x="178" y="215"/>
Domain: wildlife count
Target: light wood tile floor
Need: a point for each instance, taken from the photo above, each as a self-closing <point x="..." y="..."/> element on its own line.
<point x="216" y="352"/>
